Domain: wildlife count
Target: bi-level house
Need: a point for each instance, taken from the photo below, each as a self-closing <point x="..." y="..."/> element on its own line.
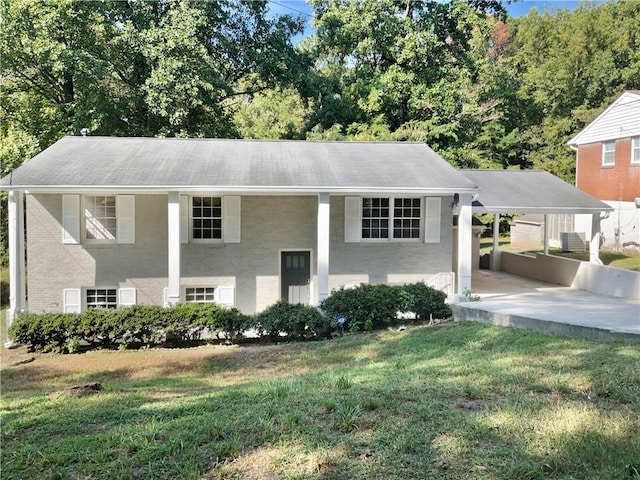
<point x="119" y="221"/>
<point x="608" y="168"/>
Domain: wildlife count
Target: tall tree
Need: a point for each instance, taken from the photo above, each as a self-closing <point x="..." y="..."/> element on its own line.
<point x="138" y="68"/>
<point x="570" y="66"/>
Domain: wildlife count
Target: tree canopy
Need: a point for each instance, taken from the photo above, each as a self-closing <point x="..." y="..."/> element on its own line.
<point x="482" y="89"/>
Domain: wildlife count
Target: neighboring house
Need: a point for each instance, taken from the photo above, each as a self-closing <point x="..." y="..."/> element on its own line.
<point x="121" y="221"/>
<point x="608" y="168"/>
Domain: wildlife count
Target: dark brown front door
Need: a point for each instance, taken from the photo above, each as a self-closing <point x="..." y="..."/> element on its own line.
<point x="295" y="276"/>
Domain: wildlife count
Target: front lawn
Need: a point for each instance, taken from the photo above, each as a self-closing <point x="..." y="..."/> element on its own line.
<point x="455" y="401"/>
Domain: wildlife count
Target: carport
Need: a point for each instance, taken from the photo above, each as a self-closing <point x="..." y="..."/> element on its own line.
<point x="532" y="191"/>
<point x="544" y="292"/>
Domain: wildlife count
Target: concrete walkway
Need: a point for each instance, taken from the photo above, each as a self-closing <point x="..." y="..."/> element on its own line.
<point x="507" y="299"/>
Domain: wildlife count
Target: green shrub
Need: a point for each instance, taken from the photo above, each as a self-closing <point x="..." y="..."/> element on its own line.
<point x="426" y="302"/>
<point x="229" y="322"/>
<point x="148" y="325"/>
<point x="187" y="321"/>
<point x="45" y="332"/>
<point x="367" y="306"/>
<point x="295" y="321"/>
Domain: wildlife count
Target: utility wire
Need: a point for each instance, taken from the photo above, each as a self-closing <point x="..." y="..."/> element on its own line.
<point x="290" y="8"/>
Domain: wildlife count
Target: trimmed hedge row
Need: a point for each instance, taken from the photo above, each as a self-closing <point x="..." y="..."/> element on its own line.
<point x="139" y="324"/>
<point x="362" y="308"/>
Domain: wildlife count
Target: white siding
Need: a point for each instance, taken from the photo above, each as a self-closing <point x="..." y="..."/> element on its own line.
<point x="620" y="120"/>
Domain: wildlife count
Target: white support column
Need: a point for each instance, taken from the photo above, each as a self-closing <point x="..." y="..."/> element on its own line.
<point x="594" y="246"/>
<point x="546" y="234"/>
<point x="495" y="254"/>
<point x="173" y="291"/>
<point x="323" y="246"/>
<point x="465" y="234"/>
<point x="17" y="284"/>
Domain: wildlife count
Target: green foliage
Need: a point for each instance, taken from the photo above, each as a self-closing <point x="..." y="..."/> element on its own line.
<point x="138" y="325"/>
<point x="149" y="325"/>
<point x="368" y="307"/>
<point x="272" y="114"/>
<point x="365" y="307"/>
<point x="293" y="321"/>
<point x="139" y="68"/>
<point x="427" y="302"/>
<point x="230" y="323"/>
<point x="45" y="332"/>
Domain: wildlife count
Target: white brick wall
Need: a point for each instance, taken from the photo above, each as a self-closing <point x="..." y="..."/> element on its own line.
<point x="269" y="226"/>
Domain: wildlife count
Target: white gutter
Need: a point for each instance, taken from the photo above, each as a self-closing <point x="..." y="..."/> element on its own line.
<point x="248" y="190"/>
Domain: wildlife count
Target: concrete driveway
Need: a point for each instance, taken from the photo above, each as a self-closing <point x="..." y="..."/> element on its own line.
<point x="506" y="299"/>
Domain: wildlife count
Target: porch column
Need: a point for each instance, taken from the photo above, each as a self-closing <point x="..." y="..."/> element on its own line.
<point x="464" y="244"/>
<point x="495" y="254"/>
<point x="323" y="246"/>
<point x="546" y="234"/>
<point x="594" y="246"/>
<point x="173" y="231"/>
<point x="17" y="285"/>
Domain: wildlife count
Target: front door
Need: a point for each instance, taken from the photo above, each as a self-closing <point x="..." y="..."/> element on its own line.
<point x="295" y="276"/>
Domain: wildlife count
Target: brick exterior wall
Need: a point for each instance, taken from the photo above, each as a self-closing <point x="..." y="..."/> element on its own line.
<point x="619" y="182"/>
<point x="270" y="224"/>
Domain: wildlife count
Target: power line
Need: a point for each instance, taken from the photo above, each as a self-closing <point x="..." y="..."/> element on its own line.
<point x="290" y="8"/>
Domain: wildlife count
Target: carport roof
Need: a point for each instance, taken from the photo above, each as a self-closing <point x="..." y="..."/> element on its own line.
<point x="529" y="191"/>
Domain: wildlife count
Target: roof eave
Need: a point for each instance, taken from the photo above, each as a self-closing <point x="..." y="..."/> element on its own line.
<point x="543" y="210"/>
<point x="248" y="190"/>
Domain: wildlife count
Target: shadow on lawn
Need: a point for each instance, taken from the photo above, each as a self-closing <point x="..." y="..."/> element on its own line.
<point x="444" y="402"/>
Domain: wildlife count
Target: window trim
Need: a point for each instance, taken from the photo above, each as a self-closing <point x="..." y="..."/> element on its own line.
<point x="190" y="221"/>
<point x="85" y="299"/>
<point x="635" y="150"/>
<point x="391" y="238"/>
<point x="74" y="219"/>
<point x="85" y="218"/>
<point x="221" y="290"/>
<point x="213" y="294"/>
<point x="605" y="151"/>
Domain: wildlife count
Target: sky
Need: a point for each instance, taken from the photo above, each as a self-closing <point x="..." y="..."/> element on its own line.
<point x="515" y="9"/>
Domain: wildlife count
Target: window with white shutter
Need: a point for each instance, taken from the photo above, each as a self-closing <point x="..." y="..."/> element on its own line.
<point x="383" y="219"/>
<point x="211" y="219"/>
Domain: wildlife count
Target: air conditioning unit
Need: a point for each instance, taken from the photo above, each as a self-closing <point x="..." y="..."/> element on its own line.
<point x="573" y="241"/>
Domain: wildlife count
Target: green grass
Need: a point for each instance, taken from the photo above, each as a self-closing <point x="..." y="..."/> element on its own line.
<point x="454" y="401"/>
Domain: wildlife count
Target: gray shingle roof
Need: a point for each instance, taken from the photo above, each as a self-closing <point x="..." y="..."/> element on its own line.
<point x="529" y="191"/>
<point x="247" y="165"/>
